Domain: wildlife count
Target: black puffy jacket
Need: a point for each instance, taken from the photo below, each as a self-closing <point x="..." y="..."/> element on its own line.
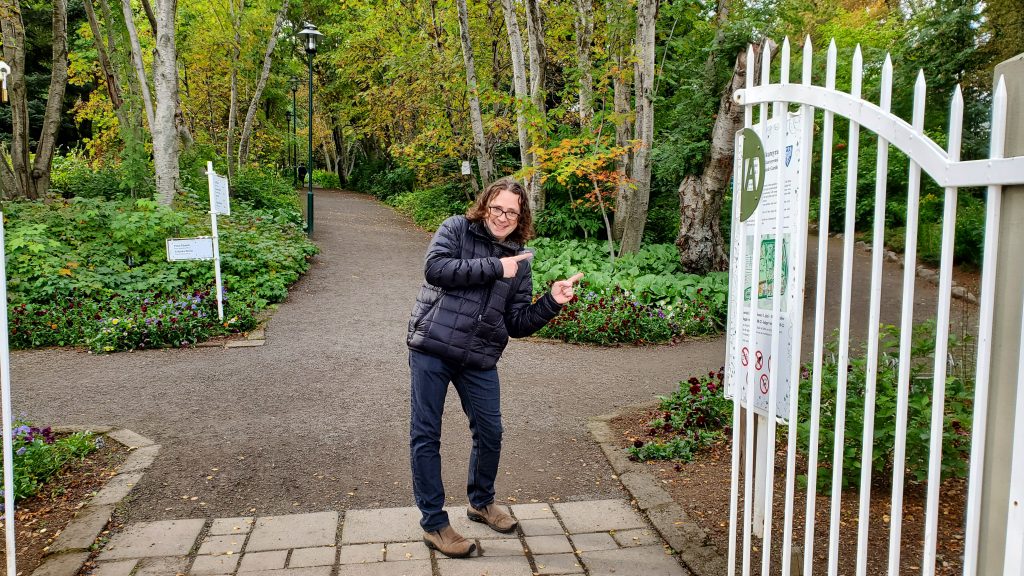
<point x="466" y="311"/>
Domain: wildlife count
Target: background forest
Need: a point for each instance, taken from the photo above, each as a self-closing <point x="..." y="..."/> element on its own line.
<point x="612" y="113"/>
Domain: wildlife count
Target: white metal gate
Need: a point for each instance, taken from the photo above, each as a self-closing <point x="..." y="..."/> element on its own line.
<point x="773" y="393"/>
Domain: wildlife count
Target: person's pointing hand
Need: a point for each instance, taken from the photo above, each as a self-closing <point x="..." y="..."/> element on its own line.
<point x="510" y="264"/>
<point x="562" y="290"/>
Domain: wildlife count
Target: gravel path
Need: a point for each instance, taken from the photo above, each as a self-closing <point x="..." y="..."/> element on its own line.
<point x="317" y="419"/>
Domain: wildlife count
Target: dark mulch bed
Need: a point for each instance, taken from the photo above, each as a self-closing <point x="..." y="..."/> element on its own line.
<point x="702" y="488"/>
<point x="41" y="518"/>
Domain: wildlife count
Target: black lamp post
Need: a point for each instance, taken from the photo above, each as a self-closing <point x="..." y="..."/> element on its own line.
<point x="310" y="36"/>
<point x="293" y="146"/>
<point x="288" y="154"/>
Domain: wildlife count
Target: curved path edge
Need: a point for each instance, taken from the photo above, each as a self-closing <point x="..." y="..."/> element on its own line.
<point x="670" y="520"/>
<point x="73" y="547"/>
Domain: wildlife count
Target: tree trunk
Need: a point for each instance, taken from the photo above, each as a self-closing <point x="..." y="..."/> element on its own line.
<point x="621" y="80"/>
<point x="236" y="47"/>
<point x="700" y="243"/>
<point x="140" y="69"/>
<point x="483" y="160"/>
<point x="538" y="69"/>
<point x="515" y="42"/>
<point x="165" y="80"/>
<point x="250" y="115"/>
<point x="24" y="178"/>
<point x="636" y="208"/>
<point x="584" y="24"/>
<point x="109" y="74"/>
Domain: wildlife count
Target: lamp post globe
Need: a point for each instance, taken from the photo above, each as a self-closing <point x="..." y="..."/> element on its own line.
<point x="310" y="37"/>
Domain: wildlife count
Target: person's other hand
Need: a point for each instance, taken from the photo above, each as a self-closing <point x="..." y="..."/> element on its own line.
<point x="510" y="264"/>
<point x="562" y="290"/>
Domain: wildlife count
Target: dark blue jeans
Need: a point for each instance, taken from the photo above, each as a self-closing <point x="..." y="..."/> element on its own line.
<point x="480" y="395"/>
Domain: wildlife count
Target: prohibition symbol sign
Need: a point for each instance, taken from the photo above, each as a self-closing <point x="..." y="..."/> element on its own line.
<point x="764" y="383"/>
<point x="746" y="356"/>
<point x="759" y="360"/>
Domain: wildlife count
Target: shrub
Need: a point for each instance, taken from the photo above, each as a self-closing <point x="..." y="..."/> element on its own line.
<point x="392" y="182"/>
<point x="693" y="417"/>
<point x="325" y="179"/>
<point x="72" y="177"/>
<point x="430" y="207"/>
<point x="262" y="188"/>
<point x="38" y="455"/>
<point x="957" y="419"/>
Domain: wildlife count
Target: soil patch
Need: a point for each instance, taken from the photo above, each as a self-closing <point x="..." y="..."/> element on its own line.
<point x="41" y="518"/>
<point x="702" y="488"/>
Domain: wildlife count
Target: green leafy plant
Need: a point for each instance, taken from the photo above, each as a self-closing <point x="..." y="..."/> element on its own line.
<point x="39" y="454"/>
<point x="325" y="179"/>
<point x="956" y="420"/>
<point x="693" y="417"/>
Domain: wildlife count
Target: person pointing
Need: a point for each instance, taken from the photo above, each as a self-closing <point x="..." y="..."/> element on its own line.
<point x="477" y="293"/>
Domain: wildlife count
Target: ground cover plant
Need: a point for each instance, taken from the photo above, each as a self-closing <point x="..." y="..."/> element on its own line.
<point x="692" y="418"/>
<point x="93" y="272"/>
<point x="39" y="454"/>
<point x="640" y="298"/>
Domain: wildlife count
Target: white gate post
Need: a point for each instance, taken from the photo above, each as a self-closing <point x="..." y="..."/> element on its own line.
<point x="1006" y="328"/>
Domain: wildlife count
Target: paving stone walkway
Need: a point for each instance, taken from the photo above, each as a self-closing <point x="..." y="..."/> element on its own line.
<point x="596" y="538"/>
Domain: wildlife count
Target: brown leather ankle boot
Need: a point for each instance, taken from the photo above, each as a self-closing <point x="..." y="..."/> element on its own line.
<point x="449" y="542"/>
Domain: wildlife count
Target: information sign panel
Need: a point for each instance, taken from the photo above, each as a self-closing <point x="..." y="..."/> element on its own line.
<point x="179" y="249"/>
<point x="762" y="204"/>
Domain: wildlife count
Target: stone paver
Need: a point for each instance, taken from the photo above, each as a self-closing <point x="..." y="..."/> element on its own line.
<point x="381" y="525"/>
<point x="555" y="544"/>
<point x="541" y="527"/>
<point x="223" y="564"/>
<point x="598" y="516"/>
<point x="162" y="566"/>
<point x="293" y="531"/>
<point x="62" y="564"/>
<point x="558" y="564"/>
<point x="261" y="561"/>
<point x="532" y="511"/>
<point x="139" y="459"/>
<point x="402" y="551"/>
<point x="118" y="568"/>
<point x="154" y="540"/>
<point x="307" y="557"/>
<point x="644" y="537"/>
<point x="595" y="541"/>
<point x="81" y="532"/>
<point x="501" y="547"/>
<point x="599" y="538"/>
<point x="410" y="568"/>
<point x="485" y="566"/>
<point x="240" y="525"/>
<point x="646" y="560"/>
<point x="215" y="545"/>
<point x="117" y="488"/>
<point x="361" y="553"/>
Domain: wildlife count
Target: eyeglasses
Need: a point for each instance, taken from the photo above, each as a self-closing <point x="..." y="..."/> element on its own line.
<point x="511" y="215"/>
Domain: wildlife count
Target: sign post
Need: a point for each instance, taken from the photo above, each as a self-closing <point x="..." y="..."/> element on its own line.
<point x="5" y="382"/>
<point x="219" y="204"/>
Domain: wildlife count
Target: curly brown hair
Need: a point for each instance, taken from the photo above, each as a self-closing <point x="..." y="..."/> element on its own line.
<point x="478" y="212"/>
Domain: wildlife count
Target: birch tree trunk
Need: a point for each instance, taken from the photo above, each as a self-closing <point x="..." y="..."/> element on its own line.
<point x="165" y="80"/>
<point x="140" y="69"/>
<point x="643" y="132"/>
<point x="621" y="80"/>
<point x="236" y="47"/>
<point x="515" y="42"/>
<point x="700" y="243"/>
<point x="24" y="178"/>
<point x="538" y="74"/>
<point x="250" y="114"/>
<point x="483" y="159"/>
<point x="584" y="24"/>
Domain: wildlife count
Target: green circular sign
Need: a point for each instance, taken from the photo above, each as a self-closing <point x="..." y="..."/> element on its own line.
<point x="751" y="173"/>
